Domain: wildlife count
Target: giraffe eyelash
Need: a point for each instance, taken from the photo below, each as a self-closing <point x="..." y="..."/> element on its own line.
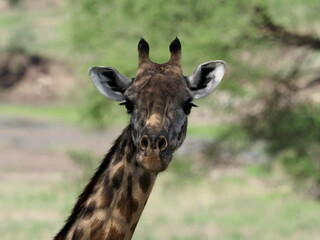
<point x="188" y="105"/>
<point x="128" y="104"/>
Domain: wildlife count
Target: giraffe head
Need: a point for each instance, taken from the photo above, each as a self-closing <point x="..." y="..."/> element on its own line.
<point x="159" y="99"/>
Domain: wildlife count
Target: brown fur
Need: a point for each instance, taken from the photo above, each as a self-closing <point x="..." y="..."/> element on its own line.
<point x="95" y="231"/>
<point x="145" y="182"/>
<point x="127" y="207"/>
<point x="114" y="234"/>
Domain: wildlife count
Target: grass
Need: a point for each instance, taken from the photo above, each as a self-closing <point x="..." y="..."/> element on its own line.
<point x="228" y="208"/>
<point x="32" y="212"/>
<point x="183" y="205"/>
<point x="65" y="113"/>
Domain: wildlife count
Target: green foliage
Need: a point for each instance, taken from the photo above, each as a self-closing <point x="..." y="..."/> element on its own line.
<point x="302" y="166"/>
<point x="14" y="2"/>
<point x="293" y="136"/>
<point x="258" y="170"/>
<point x="294" y="127"/>
<point x="111" y="29"/>
<point x="229" y="143"/>
<point x="98" y="112"/>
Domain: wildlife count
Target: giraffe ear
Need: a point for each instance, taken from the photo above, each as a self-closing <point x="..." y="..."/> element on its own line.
<point x="206" y="78"/>
<point x="110" y="82"/>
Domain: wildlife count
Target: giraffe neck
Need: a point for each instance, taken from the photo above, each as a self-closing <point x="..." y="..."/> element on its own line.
<point x="112" y="202"/>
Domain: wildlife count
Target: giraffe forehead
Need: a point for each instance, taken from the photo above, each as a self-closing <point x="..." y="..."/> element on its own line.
<point x="153" y="68"/>
<point x="159" y="89"/>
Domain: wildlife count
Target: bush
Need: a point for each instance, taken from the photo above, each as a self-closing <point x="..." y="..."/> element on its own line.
<point x="300" y="166"/>
<point x="292" y="135"/>
<point x="284" y="128"/>
<point x="14" y="2"/>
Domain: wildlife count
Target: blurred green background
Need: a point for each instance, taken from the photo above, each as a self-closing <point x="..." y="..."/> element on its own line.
<point x="250" y="166"/>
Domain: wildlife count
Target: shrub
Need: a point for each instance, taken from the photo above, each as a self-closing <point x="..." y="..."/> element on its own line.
<point x="292" y="135"/>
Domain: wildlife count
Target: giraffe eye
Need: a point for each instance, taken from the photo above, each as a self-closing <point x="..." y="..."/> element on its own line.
<point x="187" y="106"/>
<point x="128" y="104"/>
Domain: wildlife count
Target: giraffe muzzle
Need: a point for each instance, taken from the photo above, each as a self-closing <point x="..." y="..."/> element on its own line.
<point x="153" y="156"/>
<point x="153" y="142"/>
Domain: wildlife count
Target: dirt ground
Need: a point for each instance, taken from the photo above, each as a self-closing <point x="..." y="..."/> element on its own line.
<point x="34" y="79"/>
<point x="32" y="150"/>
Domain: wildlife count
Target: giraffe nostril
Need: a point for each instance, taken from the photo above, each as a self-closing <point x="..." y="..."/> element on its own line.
<point x="153" y="142"/>
<point x="162" y="143"/>
<point x="145" y="142"/>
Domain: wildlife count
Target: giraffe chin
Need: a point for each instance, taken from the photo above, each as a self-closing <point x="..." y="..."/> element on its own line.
<point x="153" y="161"/>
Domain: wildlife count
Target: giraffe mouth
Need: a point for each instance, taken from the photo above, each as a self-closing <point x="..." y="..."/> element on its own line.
<point x="153" y="160"/>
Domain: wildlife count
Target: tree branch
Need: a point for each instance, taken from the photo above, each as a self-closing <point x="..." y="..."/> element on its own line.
<point x="266" y="24"/>
<point x="312" y="83"/>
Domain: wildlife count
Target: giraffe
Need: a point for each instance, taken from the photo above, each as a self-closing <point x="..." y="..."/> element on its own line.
<point x="159" y="99"/>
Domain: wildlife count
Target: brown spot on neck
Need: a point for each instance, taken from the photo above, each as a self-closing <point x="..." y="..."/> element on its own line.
<point x="95" y="231"/>
<point x="78" y="234"/>
<point x="127" y="207"/>
<point x="120" y="152"/>
<point x="89" y="210"/>
<point x="114" y="234"/>
<point x="145" y="182"/>
<point x="107" y="192"/>
<point x="117" y="178"/>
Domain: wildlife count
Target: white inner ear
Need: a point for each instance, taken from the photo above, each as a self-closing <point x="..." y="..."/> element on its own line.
<point x="101" y="82"/>
<point x="215" y="77"/>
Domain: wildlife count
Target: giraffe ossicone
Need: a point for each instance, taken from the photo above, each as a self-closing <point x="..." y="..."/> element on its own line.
<point x="158" y="99"/>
